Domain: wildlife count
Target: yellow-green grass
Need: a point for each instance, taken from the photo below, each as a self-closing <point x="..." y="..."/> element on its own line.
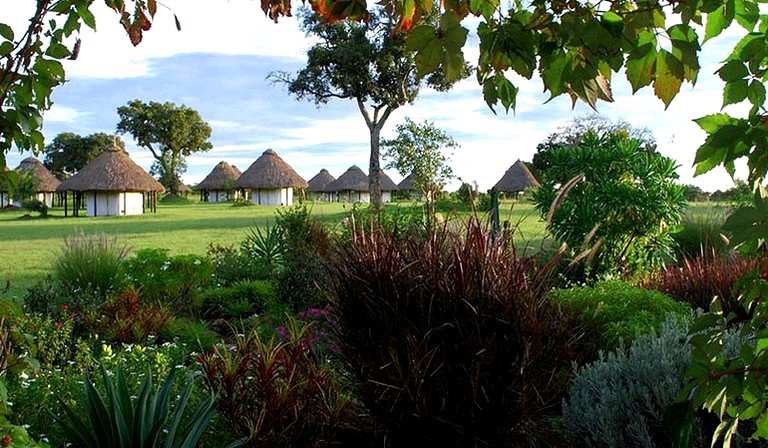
<point x="28" y="244"/>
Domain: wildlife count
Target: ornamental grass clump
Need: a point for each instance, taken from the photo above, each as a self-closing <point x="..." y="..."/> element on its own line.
<point x="90" y="266"/>
<point x="451" y="337"/>
<point x="701" y="280"/>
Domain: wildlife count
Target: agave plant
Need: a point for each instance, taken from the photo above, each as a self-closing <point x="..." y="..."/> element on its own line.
<point x="117" y="420"/>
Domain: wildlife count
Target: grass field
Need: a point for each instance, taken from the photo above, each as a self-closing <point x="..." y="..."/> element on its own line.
<point x="27" y="244"/>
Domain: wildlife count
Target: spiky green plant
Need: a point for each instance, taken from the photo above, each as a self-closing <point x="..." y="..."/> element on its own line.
<point x="117" y="419"/>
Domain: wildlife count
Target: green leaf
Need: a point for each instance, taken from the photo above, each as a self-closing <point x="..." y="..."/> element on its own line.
<point x="506" y="92"/>
<point x="6" y="48"/>
<point x="642" y="61"/>
<point x="685" y="47"/>
<point x="6" y="31"/>
<point x="489" y="93"/>
<point x="612" y="18"/>
<point x="711" y="123"/>
<point x="717" y="21"/>
<point x="86" y="15"/>
<point x="732" y="71"/>
<point x="57" y="51"/>
<point x="756" y="93"/>
<point x="747" y="14"/>
<point x="735" y="92"/>
<point x="669" y="77"/>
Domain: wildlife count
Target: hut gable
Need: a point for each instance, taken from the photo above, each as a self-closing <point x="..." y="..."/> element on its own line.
<point x="386" y="183"/>
<point x="112" y="171"/>
<point x="320" y="182"/>
<point x="270" y="172"/>
<point x="221" y="175"/>
<point x="45" y="181"/>
<point x="517" y="178"/>
<point x="409" y="183"/>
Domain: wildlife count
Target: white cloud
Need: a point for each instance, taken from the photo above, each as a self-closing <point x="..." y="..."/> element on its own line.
<point x="63" y="114"/>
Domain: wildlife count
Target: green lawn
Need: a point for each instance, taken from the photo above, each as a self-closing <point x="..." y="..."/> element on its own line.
<point x="27" y="244"/>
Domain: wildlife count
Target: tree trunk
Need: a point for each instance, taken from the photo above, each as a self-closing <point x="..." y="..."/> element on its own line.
<point x="374" y="167"/>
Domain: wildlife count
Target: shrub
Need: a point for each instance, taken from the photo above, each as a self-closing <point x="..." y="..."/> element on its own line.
<point x="615" y="311"/>
<point x="45" y="296"/>
<point x="117" y="419"/>
<point x="237" y="300"/>
<point x="612" y="194"/>
<point x="192" y="333"/>
<point x="620" y="399"/>
<point x="231" y="265"/>
<point x="90" y="267"/>
<point x="52" y="340"/>
<point x="129" y="318"/>
<point x="305" y="241"/>
<point x="700" y="234"/>
<point x="700" y="280"/>
<point x="35" y="205"/>
<point x="273" y="392"/>
<point x="170" y="280"/>
<point x="451" y="338"/>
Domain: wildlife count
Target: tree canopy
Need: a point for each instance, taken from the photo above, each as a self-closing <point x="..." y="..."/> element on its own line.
<point x="170" y="132"/>
<point x="367" y="62"/>
<point x="572" y="134"/>
<point x="418" y="150"/>
<point x="68" y="153"/>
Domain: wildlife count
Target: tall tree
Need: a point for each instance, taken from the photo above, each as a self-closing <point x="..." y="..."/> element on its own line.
<point x="369" y="63"/>
<point x="418" y="150"/>
<point x="170" y="133"/>
<point x="572" y="134"/>
<point x="68" y="153"/>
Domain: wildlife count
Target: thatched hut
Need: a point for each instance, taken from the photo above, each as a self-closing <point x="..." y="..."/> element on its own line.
<point x="352" y="186"/>
<point x="112" y="184"/>
<point x="270" y="181"/>
<point x="408" y="190"/>
<point x="517" y="179"/>
<point x="45" y="182"/>
<point x="219" y="185"/>
<point x="318" y="186"/>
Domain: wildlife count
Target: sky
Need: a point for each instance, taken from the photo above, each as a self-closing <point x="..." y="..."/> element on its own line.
<point x="218" y="63"/>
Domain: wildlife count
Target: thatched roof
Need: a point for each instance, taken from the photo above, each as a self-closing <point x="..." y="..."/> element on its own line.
<point x="517" y="178"/>
<point x="270" y="172"/>
<point x="111" y="171"/>
<point x="409" y="183"/>
<point x="386" y="183"/>
<point x="221" y="174"/>
<point x="321" y="180"/>
<point x="354" y="179"/>
<point x="44" y="180"/>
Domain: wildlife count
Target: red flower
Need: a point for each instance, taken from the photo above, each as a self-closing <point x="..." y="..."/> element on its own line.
<point x="64" y="307"/>
<point x="58" y="325"/>
<point x="6" y="441"/>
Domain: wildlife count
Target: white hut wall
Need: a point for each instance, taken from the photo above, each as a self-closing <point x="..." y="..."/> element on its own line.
<point x="114" y="203"/>
<point x="45" y="198"/>
<point x="282" y="196"/>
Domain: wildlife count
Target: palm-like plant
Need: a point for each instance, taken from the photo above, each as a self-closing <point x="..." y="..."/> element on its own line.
<point x="146" y="420"/>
